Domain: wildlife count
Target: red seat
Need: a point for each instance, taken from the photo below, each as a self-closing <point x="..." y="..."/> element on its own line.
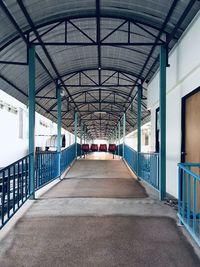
<point x="112" y="148"/>
<point x="103" y="148"/>
<point x="94" y="148"/>
<point x="85" y="148"/>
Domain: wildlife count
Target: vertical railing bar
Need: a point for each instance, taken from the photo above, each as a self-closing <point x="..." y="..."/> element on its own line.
<point x="22" y="182"/>
<point x="179" y="190"/>
<point x="188" y="199"/>
<point x="183" y="194"/>
<point x="40" y="173"/>
<point x="8" y="193"/>
<point x="36" y="171"/>
<point x="194" y="207"/>
<point x="42" y="169"/>
<point x="26" y="177"/>
<point x="3" y="198"/>
<point x="13" y="188"/>
<point x="18" y="171"/>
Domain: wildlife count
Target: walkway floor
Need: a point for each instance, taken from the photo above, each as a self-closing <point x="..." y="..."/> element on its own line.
<point x="84" y="221"/>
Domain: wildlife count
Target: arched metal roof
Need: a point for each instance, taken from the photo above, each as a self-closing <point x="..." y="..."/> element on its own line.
<point x="97" y="50"/>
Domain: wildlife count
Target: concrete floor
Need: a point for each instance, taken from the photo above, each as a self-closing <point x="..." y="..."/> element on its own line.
<point x="90" y="231"/>
<point x="99" y="169"/>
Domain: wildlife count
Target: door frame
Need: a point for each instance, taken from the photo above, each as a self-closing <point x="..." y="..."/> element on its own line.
<point x="156" y="130"/>
<point x="183" y="110"/>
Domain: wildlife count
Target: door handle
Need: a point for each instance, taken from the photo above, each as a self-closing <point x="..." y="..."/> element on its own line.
<point x="183" y="153"/>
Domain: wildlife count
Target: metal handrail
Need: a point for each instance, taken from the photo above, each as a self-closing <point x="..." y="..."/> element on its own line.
<point x="188" y="210"/>
<point x="10" y="165"/>
<point x="145" y="168"/>
<point x="189" y="171"/>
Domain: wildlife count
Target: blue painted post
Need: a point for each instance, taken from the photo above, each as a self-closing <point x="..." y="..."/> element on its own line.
<point x="84" y="134"/>
<point x="86" y="137"/>
<point x="119" y="130"/>
<point x="81" y="136"/>
<point x="124" y="132"/>
<point x="31" y="104"/>
<point x="162" y="149"/>
<point x="58" y="128"/>
<point x="75" y="131"/>
<point x="116" y="140"/>
<point x="139" y="97"/>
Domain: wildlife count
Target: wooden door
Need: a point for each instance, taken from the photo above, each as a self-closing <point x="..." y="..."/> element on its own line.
<point x="192" y="139"/>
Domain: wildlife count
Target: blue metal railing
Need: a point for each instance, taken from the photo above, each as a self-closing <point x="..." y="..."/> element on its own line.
<point x="78" y="150"/>
<point x="67" y="156"/>
<point x="148" y="168"/>
<point x="15" y="178"/>
<point x="189" y="198"/>
<point x="144" y="165"/>
<point x="14" y="188"/>
<point x="130" y="155"/>
<point x="119" y="150"/>
<point x="46" y="168"/>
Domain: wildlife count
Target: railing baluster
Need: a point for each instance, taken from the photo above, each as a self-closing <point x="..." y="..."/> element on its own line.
<point x="183" y="195"/>
<point x="3" y="198"/>
<point x="22" y="180"/>
<point x="8" y="192"/>
<point x="18" y="173"/>
<point x="13" y="189"/>
<point x="179" y="191"/>
<point x="188" y="198"/>
<point x="40" y="169"/>
<point x="194" y="206"/>
<point x="26" y="177"/>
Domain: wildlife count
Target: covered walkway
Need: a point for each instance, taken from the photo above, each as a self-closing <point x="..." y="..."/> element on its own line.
<point x="97" y="215"/>
<point x="101" y="70"/>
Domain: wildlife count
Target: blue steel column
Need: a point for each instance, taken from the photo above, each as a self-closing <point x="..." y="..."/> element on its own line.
<point x="124" y="131"/>
<point x="81" y="136"/>
<point x="84" y="134"/>
<point x="162" y="148"/>
<point x="31" y="104"/>
<point x="75" y="131"/>
<point x="116" y="140"/>
<point x="119" y="136"/>
<point x="139" y="96"/>
<point x="58" y="127"/>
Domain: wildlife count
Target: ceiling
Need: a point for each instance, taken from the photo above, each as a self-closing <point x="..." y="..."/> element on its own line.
<point x="97" y="51"/>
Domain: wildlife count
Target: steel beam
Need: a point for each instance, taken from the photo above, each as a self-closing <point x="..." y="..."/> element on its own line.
<point x="119" y="133"/>
<point x="139" y="96"/>
<point x="162" y="148"/>
<point x="58" y="129"/>
<point x="75" y="131"/>
<point x="120" y="44"/>
<point x="31" y="104"/>
<point x="124" y="133"/>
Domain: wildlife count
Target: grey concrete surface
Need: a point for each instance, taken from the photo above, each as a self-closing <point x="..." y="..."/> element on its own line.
<point x="98" y="231"/>
<point x="97" y="241"/>
<point x="99" y="169"/>
<point x="102" y="187"/>
<point x="99" y="207"/>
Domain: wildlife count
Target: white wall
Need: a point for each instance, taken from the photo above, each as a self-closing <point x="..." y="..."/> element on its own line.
<point x="12" y="147"/>
<point x="131" y="138"/>
<point x="183" y="76"/>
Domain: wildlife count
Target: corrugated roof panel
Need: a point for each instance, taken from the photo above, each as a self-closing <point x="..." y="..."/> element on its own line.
<point x="48" y="16"/>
